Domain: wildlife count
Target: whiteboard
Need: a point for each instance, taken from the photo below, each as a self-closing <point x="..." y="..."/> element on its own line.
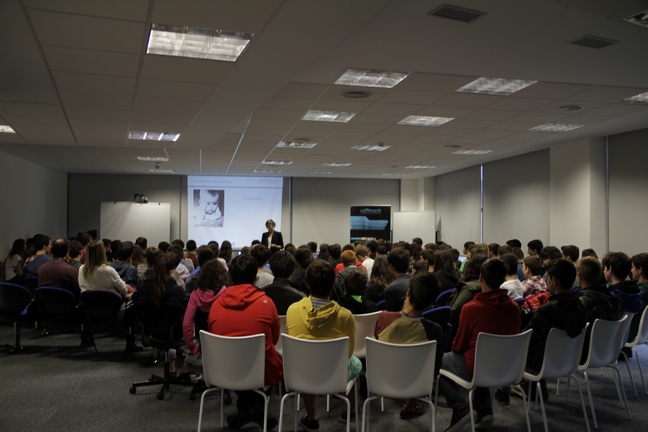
<point x="408" y="225"/>
<point x="127" y="220"/>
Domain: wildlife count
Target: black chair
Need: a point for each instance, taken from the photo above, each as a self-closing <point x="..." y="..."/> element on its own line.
<point x="102" y="311"/>
<point x="161" y="329"/>
<point x="56" y="307"/>
<point x="14" y="300"/>
<point x="440" y="315"/>
<point x="31" y="283"/>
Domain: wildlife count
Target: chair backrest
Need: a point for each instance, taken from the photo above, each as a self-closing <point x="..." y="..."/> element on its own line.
<point x="233" y="363"/>
<point x="315" y="366"/>
<point x="439" y="315"/>
<point x="365" y="324"/>
<point x="604" y="343"/>
<point x="101" y="307"/>
<point x="380" y="305"/>
<point x="642" y="334"/>
<point x="31" y="283"/>
<point x="56" y="305"/>
<point x="282" y="329"/>
<point x="562" y="353"/>
<point x="443" y="298"/>
<point x="624" y="331"/>
<point x="14" y="299"/>
<point x="400" y="370"/>
<point x="500" y="359"/>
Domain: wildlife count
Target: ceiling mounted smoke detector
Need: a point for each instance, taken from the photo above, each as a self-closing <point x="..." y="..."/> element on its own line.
<point x="356" y="94"/>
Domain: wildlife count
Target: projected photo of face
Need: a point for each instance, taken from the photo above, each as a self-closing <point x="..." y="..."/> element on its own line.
<point x="208" y="207"/>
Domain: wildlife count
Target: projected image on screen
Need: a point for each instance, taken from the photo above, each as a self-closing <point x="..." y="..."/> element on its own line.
<point x="232" y="208"/>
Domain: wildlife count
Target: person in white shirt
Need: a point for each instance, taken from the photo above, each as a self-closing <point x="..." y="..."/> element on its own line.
<point x="362" y="253"/>
<point x="512" y="284"/>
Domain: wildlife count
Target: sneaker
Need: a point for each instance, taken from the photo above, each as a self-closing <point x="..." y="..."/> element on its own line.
<point x="484" y="421"/>
<point x="410" y="414"/>
<point x="343" y="414"/>
<point x="459" y="419"/>
<point x="529" y="389"/>
<point x="190" y="376"/>
<point x="502" y="396"/>
<point x="309" y="425"/>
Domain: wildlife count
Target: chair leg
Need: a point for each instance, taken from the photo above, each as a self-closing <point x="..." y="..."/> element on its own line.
<point x="580" y="392"/>
<point x="472" y="414"/>
<point x="629" y="373"/>
<point x="526" y="403"/>
<point x="643" y="381"/>
<point x="591" y="400"/>
<point x="623" y="393"/>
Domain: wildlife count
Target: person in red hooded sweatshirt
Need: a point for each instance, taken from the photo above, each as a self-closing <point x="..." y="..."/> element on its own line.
<point x="243" y="310"/>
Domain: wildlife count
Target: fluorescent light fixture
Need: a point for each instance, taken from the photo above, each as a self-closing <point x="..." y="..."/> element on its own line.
<point x="329" y="116"/>
<point x="270" y="171"/>
<point x="472" y="152"/>
<point x="296" y="144"/>
<point x="197" y="42"/>
<point x="337" y="164"/>
<point x="641" y="98"/>
<point x="276" y="162"/>
<point x="370" y="78"/>
<point x="555" y="127"/>
<point x="320" y="172"/>
<point x="6" y="129"/>
<point x="391" y="175"/>
<point x="495" y="86"/>
<point x="153" y="136"/>
<point x="162" y="171"/>
<point x="425" y="121"/>
<point x="378" y="147"/>
<point x="153" y="159"/>
<point x="420" y="167"/>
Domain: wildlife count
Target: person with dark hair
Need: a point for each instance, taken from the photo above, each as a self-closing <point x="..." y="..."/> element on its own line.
<point x="520" y="257"/>
<point x="138" y="260"/>
<point x="588" y="253"/>
<point x="93" y="233"/>
<point x="570" y="253"/>
<point x="504" y="249"/>
<point x="191" y="253"/>
<point x="398" y="260"/>
<point x="381" y="277"/>
<point x="181" y="272"/>
<point x="372" y="245"/>
<point x="204" y="254"/>
<point x="164" y="246"/>
<point x="74" y="255"/>
<point x="616" y="268"/>
<point x="280" y="291"/>
<point x="512" y="284"/>
<point x="640" y="273"/>
<point x="466" y="252"/>
<point x="418" y="241"/>
<point x="123" y="265"/>
<point x="261" y="255"/>
<point x="272" y="239"/>
<point x="111" y="253"/>
<point x="42" y="245"/>
<point x="409" y="327"/>
<point x="150" y="255"/>
<point x="304" y="258"/>
<point x="242" y="309"/>
<point x="85" y="240"/>
<point x="57" y="273"/>
<point x="324" y="252"/>
<point x="142" y="242"/>
<point x="533" y="283"/>
<point x="14" y="262"/>
<point x="491" y="311"/>
<point x="317" y="317"/>
<point x="382" y="250"/>
<point x="335" y="250"/>
<point x="354" y="287"/>
<point x="362" y="253"/>
<point x="548" y="254"/>
<point x="211" y="283"/>
<point x="225" y="252"/>
<point x="493" y="250"/>
<point x="534" y="247"/>
<point x="468" y="288"/>
<point x="445" y="269"/>
<point x="178" y="242"/>
<point x="312" y="246"/>
<point x="514" y="243"/>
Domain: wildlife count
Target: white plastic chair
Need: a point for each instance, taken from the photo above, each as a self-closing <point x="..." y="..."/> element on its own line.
<point x="499" y="361"/>
<point x="365" y="324"/>
<point x="561" y="358"/>
<point x="640" y="339"/>
<point x="316" y="367"/>
<point x="605" y="342"/>
<point x="233" y="363"/>
<point x="400" y="371"/>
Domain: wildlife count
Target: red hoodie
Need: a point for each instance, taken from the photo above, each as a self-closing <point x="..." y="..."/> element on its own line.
<point x="243" y="310"/>
<point x="489" y="312"/>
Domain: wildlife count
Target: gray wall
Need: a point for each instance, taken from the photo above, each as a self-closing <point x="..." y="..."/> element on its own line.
<point x="34" y="200"/>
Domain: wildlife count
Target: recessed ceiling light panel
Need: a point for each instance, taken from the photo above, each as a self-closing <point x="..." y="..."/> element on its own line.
<point x="6" y="129"/>
<point x="370" y="78"/>
<point x="378" y="147"/>
<point x="329" y="116"/>
<point x="495" y="86"/>
<point x="269" y="171"/>
<point x="472" y="152"/>
<point x="153" y="136"/>
<point x="640" y="98"/>
<point x="456" y="13"/>
<point x="424" y="121"/>
<point x="276" y="162"/>
<point x="296" y="144"/>
<point x="420" y="167"/>
<point x="196" y="42"/>
<point x="640" y="19"/>
<point x="153" y="159"/>
<point x="555" y="127"/>
<point x="337" y="164"/>
<point x="320" y="172"/>
<point x="162" y="171"/>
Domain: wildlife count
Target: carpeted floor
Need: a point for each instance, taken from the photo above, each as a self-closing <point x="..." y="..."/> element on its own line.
<point x="53" y="385"/>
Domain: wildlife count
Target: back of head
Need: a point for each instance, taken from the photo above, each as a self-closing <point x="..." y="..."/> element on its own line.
<point x="361" y="251"/>
<point x="125" y="251"/>
<point x="493" y="248"/>
<point x="493" y="271"/>
<point x="511" y="263"/>
<point x="164" y="264"/>
<point x="518" y="253"/>
<point x="84" y="238"/>
<point x="137" y="257"/>
<point x="163" y="246"/>
<point x="335" y="250"/>
<point x="41" y="241"/>
<point x="534" y="264"/>
<point x="619" y="263"/>
<point x="191" y="245"/>
<point x="504" y="249"/>
<point x="60" y="248"/>
<point x="178" y="242"/>
<point x="564" y="272"/>
<point x="589" y="253"/>
<point x="444" y="262"/>
<point x="420" y="265"/>
<point x="570" y="252"/>
<point x="399" y="259"/>
<point x="282" y="264"/>
<point x="535" y="245"/>
<point x="589" y="270"/>
<point x="514" y="243"/>
<point x="260" y="253"/>
<point x="312" y="246"/>
<point x="372" y="245"/>
<point x="142" y="242"/>
<point x="205" y="253"/>
<point x="320" y="276"/>
<point x="244" y="270"/>
<point x="640" y="262"/>
<point x="290" y="248"/>
<point x="75" y="248"/>
<point x="424" y="287"/>
<point x="468" y="245"/>
<point x="114" y="246"/>
<point x="213" y="276"/>
<point x="226" y="251"/>
<point x="472" y="268"/>
<point x="348" y="258"/>
<point x="151" y="255"/>
<point x="418" y="240"/>
<point x="177" y="253"/>
<point x="304" y="257"/>
<point x="355" y="282"/>
<point x="95" y="257"/>
<point x="550" y="253"/>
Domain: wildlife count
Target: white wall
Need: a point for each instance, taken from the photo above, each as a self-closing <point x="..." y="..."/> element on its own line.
<point x="34" y="201"/>
<point x="457" y="206"/>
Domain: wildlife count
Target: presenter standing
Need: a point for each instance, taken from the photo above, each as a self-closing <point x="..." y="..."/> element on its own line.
<point x="273" y="239"/>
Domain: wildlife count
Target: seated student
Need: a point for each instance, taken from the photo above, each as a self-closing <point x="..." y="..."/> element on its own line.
<point x="512" y="284"/>
<point x="444" y="268"/>
<point x="381" y="277"/>
<point x="533" y="283"/>
<point x="616" y="268"/>
<point x="138" y="260"/>
<point x="42" y="245"/>
<point x="640" y="274"/>
<point x="192" y="253"/>
<point x="126" y="271"/>
<point x="346" y="254"/>
<point x="335" y="250"/>
<point x="14" y="262"/>
<point x="204" y="254"/>
<point x="349" y="263"/>
<point x="354" y="286"/>
<point x="468" y="288"/>
<point x="318" y="317"/>
<point x="563" y="311"/>
<point x="211" y="283"/>
<point x="492" y="250"/>
<point x="74" y="255"/>
<point x="280" y="291"/>
<point x="261" y="254"/>
<point x="57" y="273"/>
<point x="242" y="310"/>
<point x="304" y="258"/>
<point x="151" y="255"/>
<point x="363" y="256"/>
<point x="520" y="257"/>
<point x="409" y="327"/>
<point x="534" y="247"/>
<point x="181" y="272"/>
<point x="398" y="260"/>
